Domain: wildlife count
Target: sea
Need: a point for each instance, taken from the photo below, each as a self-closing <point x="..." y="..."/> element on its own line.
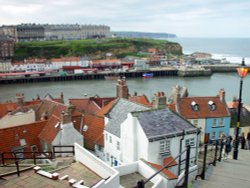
<point x="229" y="49"/>
<point x="233" y="49"/>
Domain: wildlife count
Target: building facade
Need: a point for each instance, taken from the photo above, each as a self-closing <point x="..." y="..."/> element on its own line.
<point x="7" y="46"/>
<point x="34" y="32"/>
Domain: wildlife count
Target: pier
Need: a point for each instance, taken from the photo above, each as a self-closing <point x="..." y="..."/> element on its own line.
<point x="90" y="76"/>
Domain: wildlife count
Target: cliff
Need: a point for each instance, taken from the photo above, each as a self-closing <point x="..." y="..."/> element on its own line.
<point x="93" y="48"/>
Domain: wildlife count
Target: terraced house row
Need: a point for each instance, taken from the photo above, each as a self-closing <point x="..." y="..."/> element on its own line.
<point x="126" y="132"/>
<point x="39" y="32"/>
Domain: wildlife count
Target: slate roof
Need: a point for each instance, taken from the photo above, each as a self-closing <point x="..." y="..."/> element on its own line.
<point x="244" y="115"/>
<point x="185" y="109"/>
<point x="119" y="113"/>
<point x="162" y="123"/>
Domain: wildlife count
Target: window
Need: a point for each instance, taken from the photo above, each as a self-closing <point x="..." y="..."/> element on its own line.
<point x="165" y="147"/>
<point x="195" y="122"/>
<point x="190" y="141"/>
<point x="118" y="145"/>
<point x="34" y="148"/>
<point x="110" y="139"/>
<point x="211" y="105"/>
<point x="107" y="157"/>
<point x="222" y="122"/>
<point x="106" y="136"/>
<point x="194" y="106"/>
<point x="214" y="123"/>
<point x="213" y="135"/>
<point x="22" y="142"/>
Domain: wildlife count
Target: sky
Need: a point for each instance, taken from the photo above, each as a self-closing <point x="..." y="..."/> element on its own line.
<point x="185" y="18"/>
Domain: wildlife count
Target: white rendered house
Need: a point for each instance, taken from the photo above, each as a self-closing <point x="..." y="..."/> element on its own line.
<point x="156" y="135"/>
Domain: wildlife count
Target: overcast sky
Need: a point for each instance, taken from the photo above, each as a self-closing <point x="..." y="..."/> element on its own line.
<point x="185" y="18"/>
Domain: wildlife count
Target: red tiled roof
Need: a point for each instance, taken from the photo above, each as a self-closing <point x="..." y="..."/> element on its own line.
<point x="232" y="104"/>
<point x="140" y="99"/>
<point x="204" y="111"/>
<point x="101" y="102"/>
<point x="106" y="108"/>
<point x="85" y="105"/>
<point x="167" y="160"/>
<point x="166" y="172"/>
<point x="51" y="107"/>
<point x="9" y="107"/>
<point x="102" y="61"/>
<point x="65" y="59"/>
<point x="10" y="136"/>
<point x="94" y="133"/>
<point x="49" y="132"/>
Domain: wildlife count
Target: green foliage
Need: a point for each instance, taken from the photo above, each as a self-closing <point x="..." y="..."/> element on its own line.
<point x="55" y="49"/>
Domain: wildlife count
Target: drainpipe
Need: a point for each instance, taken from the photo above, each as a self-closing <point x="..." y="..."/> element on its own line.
<point x="180" y="150"/>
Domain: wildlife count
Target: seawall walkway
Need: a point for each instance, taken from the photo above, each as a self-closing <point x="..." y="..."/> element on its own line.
<point x="229" y="173"/>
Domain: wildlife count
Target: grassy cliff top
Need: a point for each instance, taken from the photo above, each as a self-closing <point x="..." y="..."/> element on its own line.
<point x="92" y="47"/>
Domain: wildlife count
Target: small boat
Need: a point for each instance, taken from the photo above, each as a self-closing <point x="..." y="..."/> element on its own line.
<point x="147" y="75"/>
<point x="112" y="77"/>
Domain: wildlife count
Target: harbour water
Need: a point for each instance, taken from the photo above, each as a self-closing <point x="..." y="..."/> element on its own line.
<point x="197" y="86"/>
<point x="234" y="49"/>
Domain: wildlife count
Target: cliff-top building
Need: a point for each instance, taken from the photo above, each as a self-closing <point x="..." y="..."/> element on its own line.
<point x="34" y="32"/>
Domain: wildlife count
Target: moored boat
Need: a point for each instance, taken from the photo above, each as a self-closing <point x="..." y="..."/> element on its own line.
<point x="112" y="77"/>
<point x="147" y="75"/>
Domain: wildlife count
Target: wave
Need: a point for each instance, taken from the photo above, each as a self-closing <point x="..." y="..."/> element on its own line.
<point x="231" y="58"/>
<point x="227" y="57"/>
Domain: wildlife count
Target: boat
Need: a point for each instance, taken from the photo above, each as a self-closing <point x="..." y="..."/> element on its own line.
<point x="147" y="75"/>
<point x="112" y="77"/>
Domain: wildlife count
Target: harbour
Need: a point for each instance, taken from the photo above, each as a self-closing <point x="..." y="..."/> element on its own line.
<point x="193" y="71"/>
<point x="197" y="86"/>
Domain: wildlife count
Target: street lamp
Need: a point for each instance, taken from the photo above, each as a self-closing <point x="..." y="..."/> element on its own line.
<point x="242" y="71"/>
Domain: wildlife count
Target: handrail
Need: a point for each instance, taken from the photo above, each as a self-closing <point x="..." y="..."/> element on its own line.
<point x="34" y="156"/>
<point x="214" y="146"/>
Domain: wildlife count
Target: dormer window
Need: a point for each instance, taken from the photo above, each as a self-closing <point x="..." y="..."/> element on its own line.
<point x="194" y="106"/>
<point x="211" y="105"/>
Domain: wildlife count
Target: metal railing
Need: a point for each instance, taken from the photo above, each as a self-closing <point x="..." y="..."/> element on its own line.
<point x="14" y="158"/>
<point x="205" y="151"/>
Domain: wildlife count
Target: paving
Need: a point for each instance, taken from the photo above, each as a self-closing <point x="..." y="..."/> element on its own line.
<point x="31" y="179"/>
<point x="229" y="173"/>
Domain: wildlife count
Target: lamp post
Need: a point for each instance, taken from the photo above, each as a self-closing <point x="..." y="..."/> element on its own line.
<point x="242" y="71"/>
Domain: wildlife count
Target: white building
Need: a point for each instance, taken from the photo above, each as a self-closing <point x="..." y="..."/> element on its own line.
<point x="112" y="133"/>
<point x="133" y="131"/>
<point x="141" y="64"/>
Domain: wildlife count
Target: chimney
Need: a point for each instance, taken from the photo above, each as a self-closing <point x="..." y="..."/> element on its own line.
<point x="44" y="116"/>
<point x="160" y="100"/>
<point x="222" y="95"/>
<point x="20" y="99"/>
<point x="62" y="98"/>
<point x="122" y="89"/>
<point x="65" y="118"/>
<point x="70" y="108"/>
